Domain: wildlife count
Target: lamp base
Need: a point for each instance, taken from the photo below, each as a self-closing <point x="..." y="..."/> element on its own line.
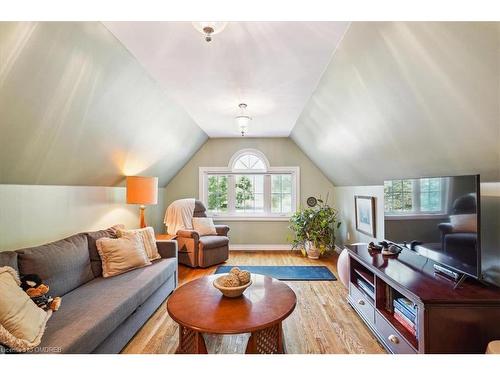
<point x="142" y="218"/>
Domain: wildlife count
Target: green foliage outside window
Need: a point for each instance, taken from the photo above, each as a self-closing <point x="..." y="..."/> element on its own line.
<point x="244" y="191"/>
<point x="217" y="193"/>
<point x="403" y="196"/>
<point x="248" y="193"/>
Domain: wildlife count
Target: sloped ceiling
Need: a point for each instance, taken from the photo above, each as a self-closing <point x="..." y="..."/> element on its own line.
<point x="397" y="99"/>
<point x="271" y="66"/>
<point x="77" y="109"/>
<point x="407" y="99"/>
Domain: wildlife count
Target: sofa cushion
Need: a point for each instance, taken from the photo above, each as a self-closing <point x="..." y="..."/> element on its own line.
<point x="211" y="242"/>
<point x="9" y="259"/>
<point x="92" y="237"/>
<point x="63" y="265"/>
<point x="22" y="322"/>
<point x="92" y="312"/>
<point x="204" y="226"/>
<point x="466" y="223"/>
<point x="148" y="240"/>
<point x="122" y="254"/>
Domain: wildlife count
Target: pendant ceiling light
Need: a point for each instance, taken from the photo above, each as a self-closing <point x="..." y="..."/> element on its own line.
<point x="243" y="119"/>
<point x="209" y="28"/>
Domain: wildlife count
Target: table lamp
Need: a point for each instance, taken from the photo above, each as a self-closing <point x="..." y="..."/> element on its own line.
<point x="142" y="190"/>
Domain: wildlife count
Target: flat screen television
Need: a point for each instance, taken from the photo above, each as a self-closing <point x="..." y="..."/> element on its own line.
<point x="437" y="217"/>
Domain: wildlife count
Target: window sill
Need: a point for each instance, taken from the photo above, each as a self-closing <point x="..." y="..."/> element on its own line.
<point x="416" y="217"/>
<point x="250" y="218"/>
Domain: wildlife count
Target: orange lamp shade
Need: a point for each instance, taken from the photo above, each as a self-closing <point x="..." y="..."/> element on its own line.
<point x="142" y="190"/>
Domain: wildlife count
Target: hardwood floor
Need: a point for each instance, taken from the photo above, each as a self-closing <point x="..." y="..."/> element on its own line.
<point x="323" y="321"/>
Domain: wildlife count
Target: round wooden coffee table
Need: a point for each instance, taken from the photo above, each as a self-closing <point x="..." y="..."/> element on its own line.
<point x="199" y="308"/>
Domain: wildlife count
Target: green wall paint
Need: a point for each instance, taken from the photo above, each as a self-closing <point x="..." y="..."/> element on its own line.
<point x="344" y="203"/>
<point x="280" y="152"/>
<point x="407" y="99"/>
<point x="76" y="108"/>
<point x="33" y="215"/>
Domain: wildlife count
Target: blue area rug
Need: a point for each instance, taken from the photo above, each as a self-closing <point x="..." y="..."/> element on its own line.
<point x="295" y="273"/>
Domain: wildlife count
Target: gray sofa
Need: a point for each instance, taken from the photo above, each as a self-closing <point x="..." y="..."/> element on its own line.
<point x="97" y="315"/>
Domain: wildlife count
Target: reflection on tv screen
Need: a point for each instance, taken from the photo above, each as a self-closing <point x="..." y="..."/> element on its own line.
<point x="436" y="217"/>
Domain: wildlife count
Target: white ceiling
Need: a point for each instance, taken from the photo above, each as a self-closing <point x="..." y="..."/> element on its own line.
<point x="273" y="67"/>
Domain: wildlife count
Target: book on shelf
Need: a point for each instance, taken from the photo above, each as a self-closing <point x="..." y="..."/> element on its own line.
<point x="389" y="297"/>
<point x="405" y="323"/>
<point x="366" y="284"/>
<point x="411" y="315"/>
<point x="401" y="314"/>
<point x="367" y="291"/>
<point x="367" y="288"/>
<point x="408" y="305"/>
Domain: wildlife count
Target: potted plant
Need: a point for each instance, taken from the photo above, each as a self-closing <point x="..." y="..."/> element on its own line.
<point x="314" y="229"/>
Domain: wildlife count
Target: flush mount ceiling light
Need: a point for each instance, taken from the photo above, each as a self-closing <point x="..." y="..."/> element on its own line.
<point x="243" y="119"/>
<point x="209" y="28"/>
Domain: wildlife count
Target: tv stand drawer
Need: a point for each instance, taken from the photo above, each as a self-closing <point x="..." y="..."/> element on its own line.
<point x="362" y="304"/>
<point x="391" y="337"/>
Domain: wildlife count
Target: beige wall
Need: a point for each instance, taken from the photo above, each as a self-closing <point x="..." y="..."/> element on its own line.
<point x="280" y="152"/>
<point x="32" y="215"/>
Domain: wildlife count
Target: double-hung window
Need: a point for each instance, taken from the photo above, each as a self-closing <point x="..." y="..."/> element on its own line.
<point x="249" y="188"/>
<point x="416" y="198"/>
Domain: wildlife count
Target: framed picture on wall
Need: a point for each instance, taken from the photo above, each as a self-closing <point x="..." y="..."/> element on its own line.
<point x="364" y="207"/>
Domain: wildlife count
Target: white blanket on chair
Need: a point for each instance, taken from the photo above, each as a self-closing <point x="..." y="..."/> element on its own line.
<point x="179" y="215"/>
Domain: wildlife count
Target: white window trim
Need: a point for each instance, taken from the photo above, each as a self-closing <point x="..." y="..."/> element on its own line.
<point x="203" y="190"/>
<point x="422" y="215"/>
<point x="414" y="216"/>
<point x="248" y="151"/>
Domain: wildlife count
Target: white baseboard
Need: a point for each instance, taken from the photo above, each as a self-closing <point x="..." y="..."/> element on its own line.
<point x="267" y="247"/>
<point x="259" y="247"/>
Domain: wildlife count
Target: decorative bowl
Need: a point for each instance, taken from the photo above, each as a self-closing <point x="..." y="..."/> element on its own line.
<point x="231" y="292"/>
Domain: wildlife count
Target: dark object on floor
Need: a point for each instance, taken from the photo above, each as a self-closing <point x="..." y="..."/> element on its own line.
<point x="291" y="273"/>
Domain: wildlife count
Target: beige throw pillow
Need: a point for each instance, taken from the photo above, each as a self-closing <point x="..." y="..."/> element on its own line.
<point x="119" y="255"/>
<point x="148" y="240"/>
<point x="22" y="323"/>
<point x="464" y="223"/>
<point x="204" y="226"/>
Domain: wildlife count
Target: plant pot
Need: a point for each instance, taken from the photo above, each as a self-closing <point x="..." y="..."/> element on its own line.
<point x="311" y="250"/>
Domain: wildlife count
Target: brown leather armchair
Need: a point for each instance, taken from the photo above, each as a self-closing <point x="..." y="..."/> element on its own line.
<point x="204" y="251"/>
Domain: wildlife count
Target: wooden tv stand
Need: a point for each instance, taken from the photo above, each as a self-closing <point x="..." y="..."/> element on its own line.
<point x="461" y="320"/>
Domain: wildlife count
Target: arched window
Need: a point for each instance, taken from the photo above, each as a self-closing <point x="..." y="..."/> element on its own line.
<point x="249" y="188"/>
<point x="249" y="160"/>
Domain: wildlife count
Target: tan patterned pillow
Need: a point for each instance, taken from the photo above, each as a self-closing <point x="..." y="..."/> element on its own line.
<point x="148" y="240"/>
<point x="204" y="226"/>
<point x="119" y="255"/>
<point x="22" y="323"/>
